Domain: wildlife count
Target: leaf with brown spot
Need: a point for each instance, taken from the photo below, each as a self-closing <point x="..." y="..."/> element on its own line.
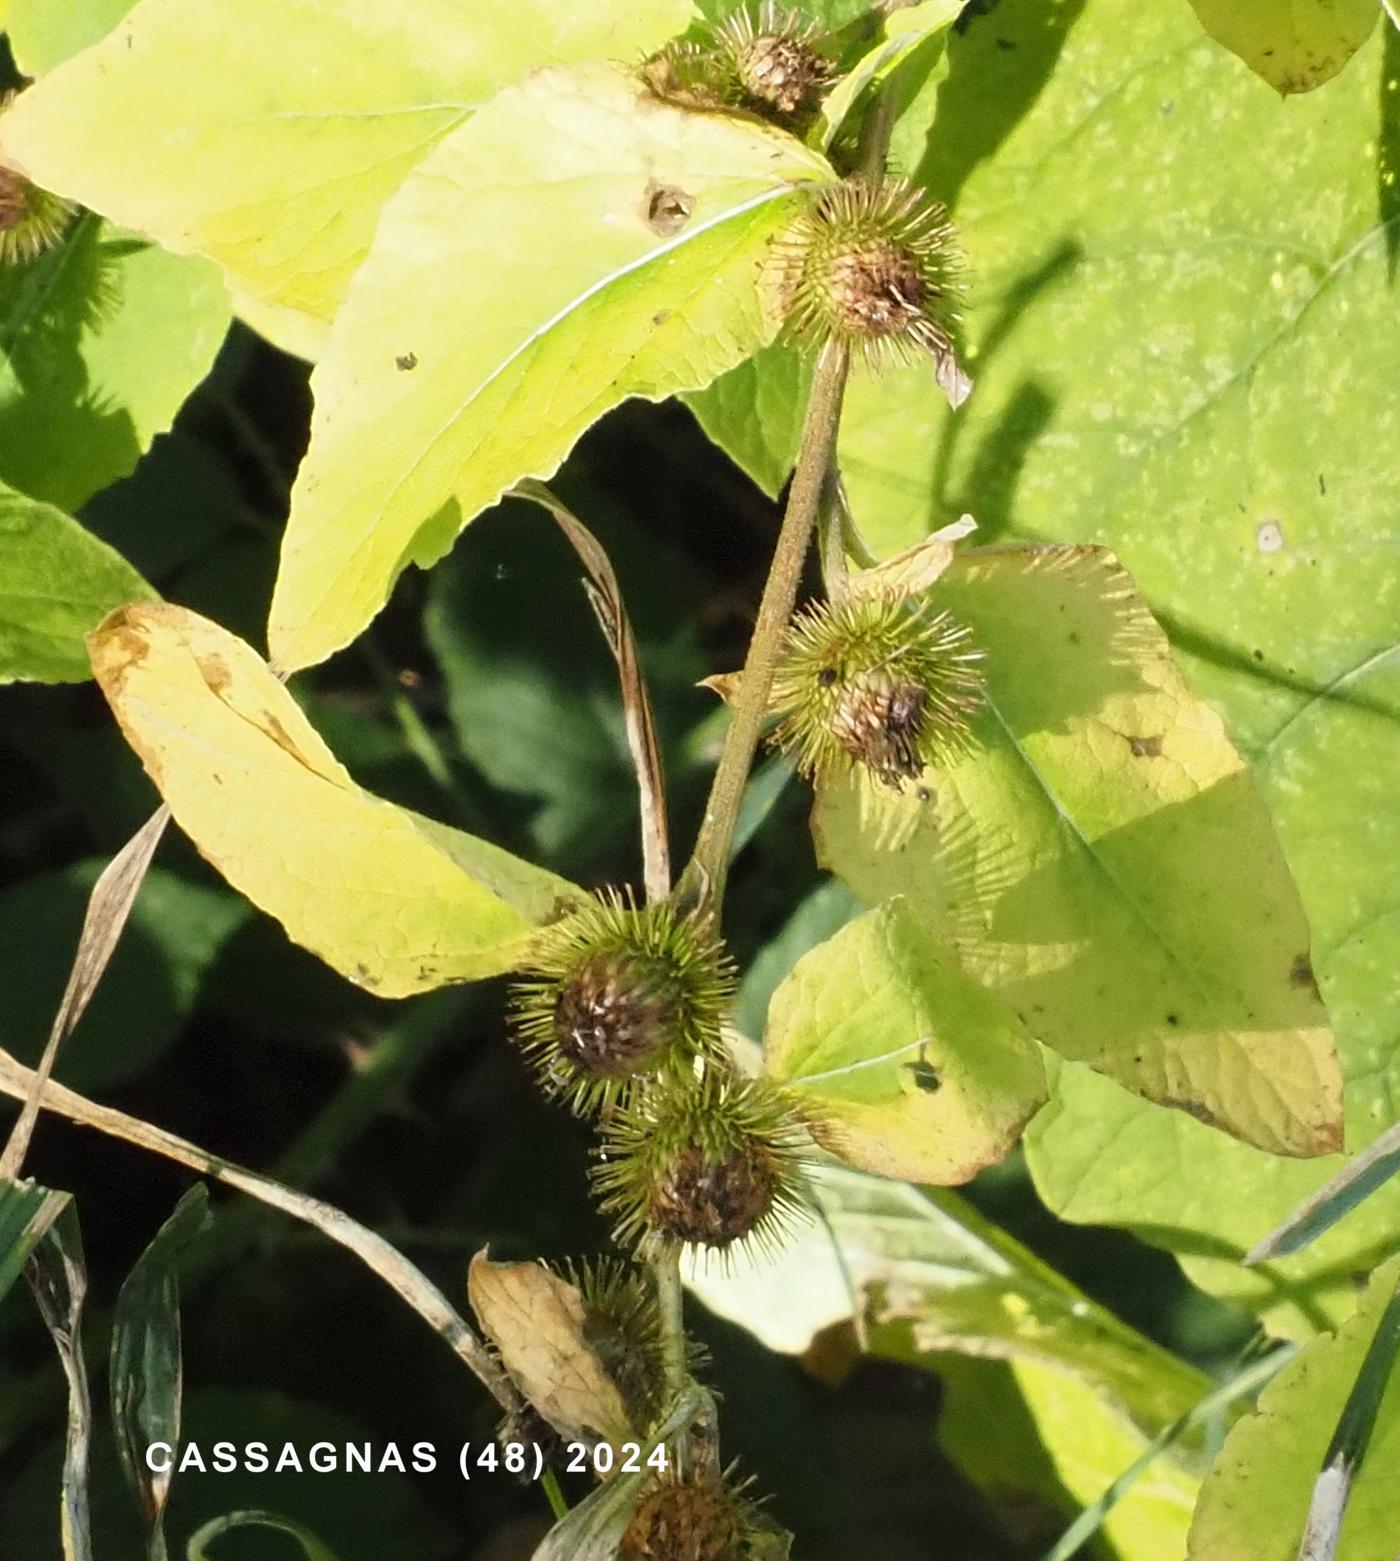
<point x="394" y="901"/>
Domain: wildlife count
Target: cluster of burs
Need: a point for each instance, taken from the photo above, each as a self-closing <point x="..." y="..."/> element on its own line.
<point x="622" y="1011"/>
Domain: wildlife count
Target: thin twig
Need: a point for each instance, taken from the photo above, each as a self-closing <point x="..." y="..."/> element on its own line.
<point x="706" y="874"/>
<point x="386" y="1261"/>
<point x="605" y="596"/>
<point x="109" y="905"/>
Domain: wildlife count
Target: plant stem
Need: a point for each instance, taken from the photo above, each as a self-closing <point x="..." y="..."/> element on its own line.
<point x="555" y="1497"/>
<point x="667" y="1267"/>
<point x="705" y="876"/>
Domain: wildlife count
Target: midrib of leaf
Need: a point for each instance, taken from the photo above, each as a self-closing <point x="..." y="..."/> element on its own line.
<point x="576" y="303"/>
<point x="731" y="214"/>
<point x="855" y="1067"/>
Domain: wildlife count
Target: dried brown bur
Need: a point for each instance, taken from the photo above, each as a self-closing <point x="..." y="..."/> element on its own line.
<point x="614" y="1012"/>
<point x="713" y="1202"/>
<point x="684" y="1520"/>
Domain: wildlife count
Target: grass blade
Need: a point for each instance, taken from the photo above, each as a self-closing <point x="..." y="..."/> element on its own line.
<point x="57" y="1276"/>
<point x="109" y="905"/>
<point x="26" y="1212"/>
<point x="1332" y="1489"/>
<point x="1243" y="1385"/>
<point x="1356" y="1180"/>
<point x="145" y="1379"/>
<point x="406" y="1280"/>
<point x="198" y="1548"/>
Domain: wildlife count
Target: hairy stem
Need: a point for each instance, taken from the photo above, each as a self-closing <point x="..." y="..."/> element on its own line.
<point x="706" y="874"/>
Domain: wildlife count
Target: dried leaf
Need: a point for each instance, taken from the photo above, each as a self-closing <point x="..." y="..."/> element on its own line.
<point x="109" y="905"/>
<point x="725" y="684"/>
<point x="605" y="595"/>
<point x="535" y="1319"/>
<point x="916" y="568"/>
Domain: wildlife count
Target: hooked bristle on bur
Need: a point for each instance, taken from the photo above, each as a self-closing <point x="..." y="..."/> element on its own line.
<point x="619" y="992"/>
<point x="875" y="682"/>
<point x="622" y="1324"/>
<point x="709" y="1164"/>
<point x="31" y="219"/>
<point x="876" y="265"/>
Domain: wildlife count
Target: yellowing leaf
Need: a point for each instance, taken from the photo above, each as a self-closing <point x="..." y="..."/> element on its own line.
<point x="932" y="1281"/>
<point x="395" y="902"/>
<point x="528" y="276"/>
<point x="1295" y="45"/>
<point x="266" y="134"/>
<point x="1100" y="858"/>
<point x="908" y="1067"/>
<point x="536" y="1320"/>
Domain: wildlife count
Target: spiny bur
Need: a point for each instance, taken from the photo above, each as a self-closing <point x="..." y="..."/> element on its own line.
<point x="699" y="1516"/>
<point x="883" y="683"/>
<point x="619" y="992"/>
<point x="875" y="265"/>
<point x="710" y="1163"/>
<point x="767" y="62"/>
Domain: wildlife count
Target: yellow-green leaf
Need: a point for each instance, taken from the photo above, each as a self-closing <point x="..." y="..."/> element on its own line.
<point x="575" y="243"/>
<point x="1098" y="856"/>
<point x="101" y="340"/>
<point x="306" y="116"/>
<point x="1295" y="45"/>
<point x="395" y="902"/>
<point x="1141" y="337"/>
<point x="905" y="1065"/>
<point x="56" y="581"/>
<point x="1254" y="1504"/>
<point x="44" y="33"/>
<point x="932" y="1281"/>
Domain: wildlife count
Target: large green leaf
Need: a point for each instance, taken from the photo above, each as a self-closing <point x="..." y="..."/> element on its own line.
<point x="574" y="244"/>
<point x="1180" y="284"/>
<point x="931" y="1280"/>
<point x="754" y="412"/>
<point x="1295" y="45"/>
<point x="395" y="902"/>
<point x="1328" y="774"/>
<point x="1255" y="1502"/>
<point x="1098" y="855"/>
<point x="277" y="166"/>
<point x="904" y="1065"/>
<point x="56" y="581"/>
<point x="101" y="340"/>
